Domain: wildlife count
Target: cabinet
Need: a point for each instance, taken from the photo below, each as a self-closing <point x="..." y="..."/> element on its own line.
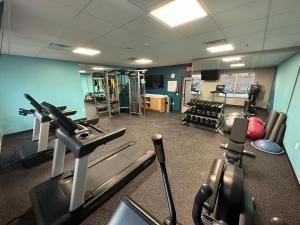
<point x="155" y="102"/>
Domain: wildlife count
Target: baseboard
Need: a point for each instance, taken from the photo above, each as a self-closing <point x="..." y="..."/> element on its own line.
<point x="25" y="131"/>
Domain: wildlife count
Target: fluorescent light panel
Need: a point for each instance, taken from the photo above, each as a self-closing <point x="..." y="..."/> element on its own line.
<point x="237" y="65"/>
<point x="82" y="71"/>
<point x="179" y="12"/>
<point x="86" y="51"/>
<point x="143" y="61"/>
<point x="232" y="59"/>
<point x="100" y="68"/>
<point x="220" y="48"/>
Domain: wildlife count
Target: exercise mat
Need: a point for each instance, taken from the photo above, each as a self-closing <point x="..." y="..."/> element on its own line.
<point x="270" y="123"/>
<point x="279" y="138"/>
<point x="280" y="120"/>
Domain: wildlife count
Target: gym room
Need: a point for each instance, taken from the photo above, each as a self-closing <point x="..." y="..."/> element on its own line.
<point x="149" y="112"/>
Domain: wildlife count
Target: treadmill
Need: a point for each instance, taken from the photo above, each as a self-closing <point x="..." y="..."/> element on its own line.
<point x="69" y="197"/>
<point x="40" y="148"/>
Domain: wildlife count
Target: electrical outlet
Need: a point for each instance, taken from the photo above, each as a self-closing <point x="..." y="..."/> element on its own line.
<point x="296" y="146"/>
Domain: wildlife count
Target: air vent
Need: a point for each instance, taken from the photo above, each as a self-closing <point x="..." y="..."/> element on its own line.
<point x="216" y="42"/>
<point x="58" y="46"/>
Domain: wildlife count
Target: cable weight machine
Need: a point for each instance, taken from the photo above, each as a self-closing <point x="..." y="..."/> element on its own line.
<point x="137" y="89"/>
<point x="106" y="88"/>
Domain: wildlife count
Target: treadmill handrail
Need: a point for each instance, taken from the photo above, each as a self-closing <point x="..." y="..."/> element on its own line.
<point x="60" y="117"/>
<point x="34" y="103"/>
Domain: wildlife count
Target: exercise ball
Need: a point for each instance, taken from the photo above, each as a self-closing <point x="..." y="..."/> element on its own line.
<point x="255" y="119"/>
<point x="255" y="131"/>
<point x="267" y="146"/>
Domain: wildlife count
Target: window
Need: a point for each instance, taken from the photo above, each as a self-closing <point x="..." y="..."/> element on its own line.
<point x="237" y="85"/>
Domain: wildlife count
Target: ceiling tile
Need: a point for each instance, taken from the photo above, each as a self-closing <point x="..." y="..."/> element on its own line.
<point x="197" y="27"/>
<point x="215" y="6"/>
<point x="253" y="10"/>
<point x="75" y="36"/>
<point x="245" y="28"/>
<point x="113" y="11"/>
<point x="76" y="4"/>
<point x="92" y="24"/>
<point x="116" y="38"/>
<point x="146" y="25"/>
<point x="284" y="19"/>
<point x="35" y="18"/>
<point x="283" y="31"/>
<point x="209" y="36"/>
<point x="283" y="41"/>
<point x="282" y="6"/>
<point x="248" y="43"/>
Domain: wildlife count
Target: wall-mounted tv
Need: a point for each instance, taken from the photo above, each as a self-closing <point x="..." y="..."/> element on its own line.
<point x="154" y="81"/>
<point x="209" y="74"/>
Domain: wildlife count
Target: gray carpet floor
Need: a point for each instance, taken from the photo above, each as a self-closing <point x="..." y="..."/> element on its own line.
<point x="189" y="153"/>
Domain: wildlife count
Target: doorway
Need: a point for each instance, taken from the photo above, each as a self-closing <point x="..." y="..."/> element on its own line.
<point x="186" y="93"/>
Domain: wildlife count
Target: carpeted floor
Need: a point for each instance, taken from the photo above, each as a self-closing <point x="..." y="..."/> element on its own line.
<point x="189" y="152"/>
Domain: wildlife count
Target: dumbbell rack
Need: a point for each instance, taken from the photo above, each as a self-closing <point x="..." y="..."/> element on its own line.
<point x="205" y="114"/>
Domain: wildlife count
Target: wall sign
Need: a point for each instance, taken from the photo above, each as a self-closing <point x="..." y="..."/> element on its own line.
<point x="172" y="86"/>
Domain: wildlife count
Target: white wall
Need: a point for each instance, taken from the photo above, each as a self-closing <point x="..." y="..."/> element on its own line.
<point x="264" y="76"/>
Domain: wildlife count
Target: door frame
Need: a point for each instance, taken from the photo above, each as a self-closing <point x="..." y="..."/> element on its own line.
<point x="182" y="90"/>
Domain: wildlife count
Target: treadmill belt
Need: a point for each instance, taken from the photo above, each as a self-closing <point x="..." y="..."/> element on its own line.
<point x="51" y="198"/>
<point x="108" y="169"/>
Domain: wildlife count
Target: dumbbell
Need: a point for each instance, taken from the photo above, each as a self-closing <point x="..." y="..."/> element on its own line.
<point x="207" y="122"/>
<point x="198" y="119"/>
<point x="202" y="121"/>
<point x="193" y="118"/>
<point x="208" y="113"/>
<point x="214" y="114"/>
<point x="213" y="123"/>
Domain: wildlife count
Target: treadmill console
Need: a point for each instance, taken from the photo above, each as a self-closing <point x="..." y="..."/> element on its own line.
<point x="81" y="140"/>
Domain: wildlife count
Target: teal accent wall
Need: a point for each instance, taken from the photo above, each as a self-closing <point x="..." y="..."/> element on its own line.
<point x="286" y="77"/>
<point x="87" y="83"/>
<point x="55" y="81"/>
<point x="180" y="72"/>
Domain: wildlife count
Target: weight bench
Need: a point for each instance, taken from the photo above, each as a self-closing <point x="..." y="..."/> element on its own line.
<point x="235" y="145"/>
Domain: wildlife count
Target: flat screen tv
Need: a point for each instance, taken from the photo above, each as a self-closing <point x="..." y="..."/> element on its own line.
<point x="154" y="81"/>
<point x="209" y="74"/>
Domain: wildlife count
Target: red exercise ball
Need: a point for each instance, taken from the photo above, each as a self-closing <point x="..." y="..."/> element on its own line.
<point x="255" y="131"/>
<point x="255" y="119"/>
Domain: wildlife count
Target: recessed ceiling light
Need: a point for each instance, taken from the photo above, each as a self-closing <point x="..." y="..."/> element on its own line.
<point x="146" y="45"/>
<point x="237" y="65"/>
<point x="99" y="68"/>
<point x="82" y="71"/>
<point x="143" y="61"/>
<point x="86" y="51"/>
<point x="231" y="59"/>
<point x="178" y="12"/>
<point x="220" y="48"/>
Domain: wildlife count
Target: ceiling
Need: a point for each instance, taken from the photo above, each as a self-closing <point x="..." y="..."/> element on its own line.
<point x="120" y="28"/>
